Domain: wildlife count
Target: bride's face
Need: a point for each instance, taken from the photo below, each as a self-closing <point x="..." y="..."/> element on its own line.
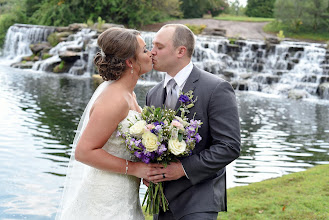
<point x="144" y="57"/>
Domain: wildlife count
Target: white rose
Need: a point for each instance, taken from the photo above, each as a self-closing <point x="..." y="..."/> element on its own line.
<point x="150" y="141"/>
<point x="138" y="128"/>
<point x="176" y="147"/>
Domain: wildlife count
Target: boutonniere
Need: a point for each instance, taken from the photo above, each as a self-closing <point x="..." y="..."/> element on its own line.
<point x="186" y="102"/>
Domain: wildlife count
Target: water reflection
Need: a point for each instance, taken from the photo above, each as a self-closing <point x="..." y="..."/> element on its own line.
<point x="280" y="136"/>
<point x="40" y="112"/>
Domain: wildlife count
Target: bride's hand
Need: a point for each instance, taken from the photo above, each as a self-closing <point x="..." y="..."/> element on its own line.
<point x="139" y="169"/>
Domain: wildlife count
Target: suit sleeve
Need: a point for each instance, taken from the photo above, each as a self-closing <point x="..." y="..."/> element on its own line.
<point x="224" y="128"/>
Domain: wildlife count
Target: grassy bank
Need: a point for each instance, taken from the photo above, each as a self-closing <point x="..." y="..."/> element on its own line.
<point x="303" y="195"/>
<point x="243" y="18"/>
<point x="275" y="27"/>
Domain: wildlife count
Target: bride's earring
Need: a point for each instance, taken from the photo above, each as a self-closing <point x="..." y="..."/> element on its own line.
<point x="132" y="70"/>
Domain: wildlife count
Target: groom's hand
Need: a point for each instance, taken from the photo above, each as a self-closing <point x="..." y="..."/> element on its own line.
<point x="159" y="173"/>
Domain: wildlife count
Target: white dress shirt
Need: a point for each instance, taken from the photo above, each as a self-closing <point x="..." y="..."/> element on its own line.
<point x="180" y="77"/>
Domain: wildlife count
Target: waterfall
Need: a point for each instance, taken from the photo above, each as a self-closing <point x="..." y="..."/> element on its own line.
<point x="20" y="36"/>
<point x="287" y="68"/>
<point x="83" y="42"/>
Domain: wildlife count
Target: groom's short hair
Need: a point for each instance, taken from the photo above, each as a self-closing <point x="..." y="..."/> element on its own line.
<point x="183" y="36"/>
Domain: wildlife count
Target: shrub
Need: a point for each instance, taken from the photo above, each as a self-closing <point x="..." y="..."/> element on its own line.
<point x="53" y="39"/>
<point x="196" y="29"/>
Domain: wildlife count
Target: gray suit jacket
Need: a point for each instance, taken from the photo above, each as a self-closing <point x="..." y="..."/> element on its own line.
<point x="205" y="188"/>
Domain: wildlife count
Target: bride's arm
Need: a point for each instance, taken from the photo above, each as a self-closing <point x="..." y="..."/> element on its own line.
<point x="103" y="121"/>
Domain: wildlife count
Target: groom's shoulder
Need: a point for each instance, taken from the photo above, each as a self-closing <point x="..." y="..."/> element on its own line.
<point x="210" y="78"/>
<point x="155" y="88"/>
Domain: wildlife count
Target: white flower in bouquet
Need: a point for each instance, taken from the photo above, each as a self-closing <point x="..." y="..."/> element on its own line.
<point x="138" y="128"/>
<point x="150" y="141"/>
<point x="176" y="147"/>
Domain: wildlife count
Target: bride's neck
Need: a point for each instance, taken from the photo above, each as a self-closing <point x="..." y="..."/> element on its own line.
<point x="128" y="81"/>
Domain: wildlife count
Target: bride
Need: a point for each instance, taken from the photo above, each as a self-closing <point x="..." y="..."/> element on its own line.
<point x="103" y="177"/>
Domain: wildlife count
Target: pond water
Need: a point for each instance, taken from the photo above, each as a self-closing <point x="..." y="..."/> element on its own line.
<point x="39" y="113"/>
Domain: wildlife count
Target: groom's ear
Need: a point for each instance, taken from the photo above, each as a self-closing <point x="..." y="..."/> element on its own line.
<point x="181" y="51"/>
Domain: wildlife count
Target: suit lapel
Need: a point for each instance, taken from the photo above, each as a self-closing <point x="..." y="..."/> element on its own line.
<point x="190" y="82"/>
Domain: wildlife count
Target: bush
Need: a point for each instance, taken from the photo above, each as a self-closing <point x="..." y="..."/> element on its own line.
<point x="46" y="56"/>
<point x="59" y="68"/>
<point x="196" y="29"/>
<point x="53" y="39"/>
<point x="260" y="8"/>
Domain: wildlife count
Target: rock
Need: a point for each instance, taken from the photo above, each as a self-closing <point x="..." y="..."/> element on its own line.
<point x="69" y="56"/>
<point x="297" y="94"/>
<point x="105" y="26"/>
<point x="272" y="40"/>
<point x="246" y="76"/>
<point x="324" y="79"/>
<point x="232" y="48"/>
<point x="240" y="85"/>
<point x="65" y="34"/>
<point x="62" y="67"/>
<point x="36" y="48"/>
<point x="311" y="79"/>
<point x="228" y="73"/>
<point x="258" y="67"/>
<point x="75" y="49"/>
<point x="323" y="90"/>
<point x="214" y="32"/>
<point x="295" y="49"/>
<point x="23" y="65"/>
<point x="61" y="29"/>
<point x="77" y="26"/>
<point x="267" y="79"/>
<point x="97" y="79"/>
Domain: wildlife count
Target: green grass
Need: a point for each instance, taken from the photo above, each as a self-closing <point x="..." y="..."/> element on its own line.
<point x="275" y="27"/>
<point x="243" y="18"/>
<point x="302" y="195"/>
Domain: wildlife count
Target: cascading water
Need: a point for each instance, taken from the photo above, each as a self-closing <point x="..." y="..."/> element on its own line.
<point x="284" y="68"/>
<point x="20" y="36"/>
<point x="81" y="41"/>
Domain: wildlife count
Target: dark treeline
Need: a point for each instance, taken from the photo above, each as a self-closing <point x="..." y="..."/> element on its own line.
<point x="131" y="13"/>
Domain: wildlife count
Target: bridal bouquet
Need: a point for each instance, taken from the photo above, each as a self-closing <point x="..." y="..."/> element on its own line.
<point x="160" y="135"/>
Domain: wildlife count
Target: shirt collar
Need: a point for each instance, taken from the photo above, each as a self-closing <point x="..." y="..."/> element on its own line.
<point x="180" y="77"/>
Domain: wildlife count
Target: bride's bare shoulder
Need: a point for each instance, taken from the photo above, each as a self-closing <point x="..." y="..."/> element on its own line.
<point x="113" y="100"/>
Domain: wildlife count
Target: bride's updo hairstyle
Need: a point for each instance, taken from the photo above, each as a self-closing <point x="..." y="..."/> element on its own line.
<point x="117" y="45"/>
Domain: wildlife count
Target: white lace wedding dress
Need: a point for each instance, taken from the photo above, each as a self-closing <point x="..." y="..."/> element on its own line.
<point x="99" y="194"/>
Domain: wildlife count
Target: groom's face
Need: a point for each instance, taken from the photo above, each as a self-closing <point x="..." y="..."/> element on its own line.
<point x="163" y="50"/>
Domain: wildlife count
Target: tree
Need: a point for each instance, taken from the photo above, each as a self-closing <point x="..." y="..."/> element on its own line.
<point x="11" y="12"/>
<point x="260" y="8"/>
<point x="303" y="14"/>
<point x="132" y="13"/>
<point x="196" y="8"/>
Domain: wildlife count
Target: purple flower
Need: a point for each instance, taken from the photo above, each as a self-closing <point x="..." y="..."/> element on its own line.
<point x="137" y="154"/>
<point x="184" y="98"/>
<point x="158" y="123"/>
<point x="190" y="131"/>
<point x="146" y="160"/>
<point x="162" y="149"/>
<point x="195" y="123"/>
<point x="198" y="138"/>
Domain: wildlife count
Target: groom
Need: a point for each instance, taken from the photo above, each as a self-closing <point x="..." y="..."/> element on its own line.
<point x="195" y="186"/>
